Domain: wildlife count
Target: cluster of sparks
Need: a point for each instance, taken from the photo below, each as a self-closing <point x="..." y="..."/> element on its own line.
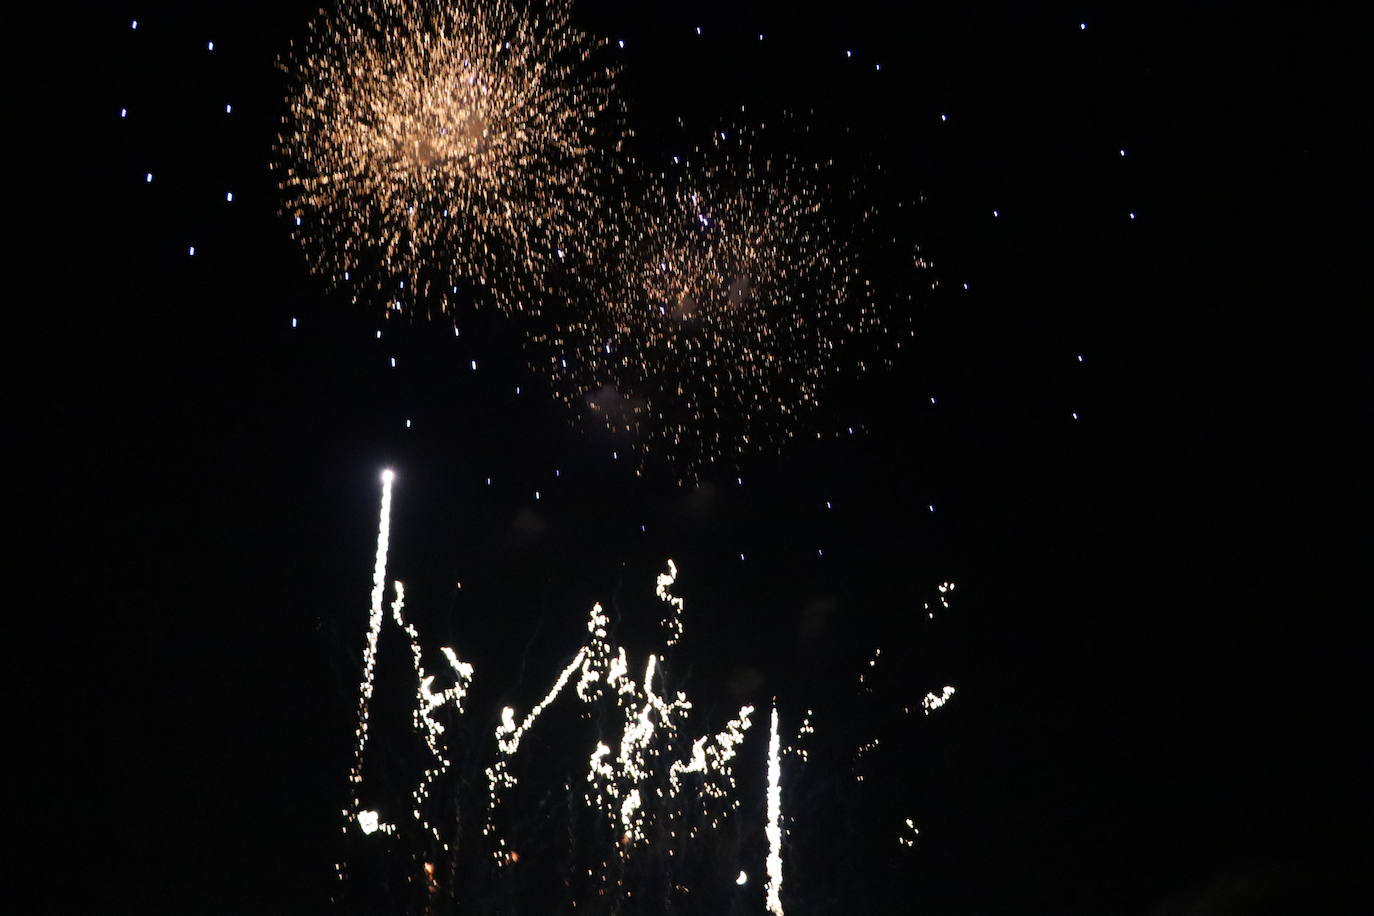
<point x="427" y="702"/>
<point x="431" y="146"/>
<point x="442" y="152"/>
<point x="646" y="778"/>
<point x="621" y="780"/>
<point x="727" y="297"/>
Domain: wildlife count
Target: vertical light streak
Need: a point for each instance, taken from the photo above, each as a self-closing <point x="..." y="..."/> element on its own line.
<point x="374" y="629"/>
<point x="773" y="829"/>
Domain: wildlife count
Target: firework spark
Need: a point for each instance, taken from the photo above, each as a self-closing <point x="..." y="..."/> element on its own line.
<point x="431" y="144"/>
<point x="427" y="702"/>
<point x="655" y="792"/>
<point x="728" y="297"/>
<point x="619" y="779"/>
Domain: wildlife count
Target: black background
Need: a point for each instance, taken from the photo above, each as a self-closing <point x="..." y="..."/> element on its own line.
<point x="1158" y="676"/>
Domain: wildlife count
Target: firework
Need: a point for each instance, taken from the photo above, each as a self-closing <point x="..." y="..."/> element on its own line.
<point x="651" y="808"/>
<point x="728" y="296"/>
<point x="432" y="146"/>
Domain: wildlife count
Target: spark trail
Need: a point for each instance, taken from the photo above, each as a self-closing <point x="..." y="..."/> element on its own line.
<point x="655" y="789"/>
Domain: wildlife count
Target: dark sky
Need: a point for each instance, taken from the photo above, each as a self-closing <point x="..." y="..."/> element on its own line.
<point x="1157" y="674"/>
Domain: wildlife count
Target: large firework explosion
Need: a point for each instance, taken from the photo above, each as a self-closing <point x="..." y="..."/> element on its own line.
<point x="729" y="292"/>
<point x="697" y="308"/>
<point x="433" y="150"/>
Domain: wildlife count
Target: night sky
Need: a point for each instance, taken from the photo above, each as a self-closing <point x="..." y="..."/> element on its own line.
<point x="1120" y="427"/>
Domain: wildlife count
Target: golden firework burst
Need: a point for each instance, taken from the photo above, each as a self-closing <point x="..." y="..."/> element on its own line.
<point x="727" y="297"/>
<point x="430" y="146"/>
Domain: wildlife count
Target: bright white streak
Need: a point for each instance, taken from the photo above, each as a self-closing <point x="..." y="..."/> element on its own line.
<point x="773" y="828"/>
<point x="374" y="629"/>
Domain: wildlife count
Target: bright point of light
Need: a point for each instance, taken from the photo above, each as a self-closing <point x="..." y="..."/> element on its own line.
<point x="229" y="196"/>
<point x="935" y="701"/>
<point x="293" y="322"/>
<point x="148" y="177"/>
<point x="193" y="251"/>
<point x="742" y="879"/>
<point x="388" y="475"/>
<point x="123" y="112"/>
<point x="228" y="109"/>
<point x="474" y="365"/>
<point x="210" y="45"/>
<point x="1132" y="216"/>
<point x="134" y="24"/>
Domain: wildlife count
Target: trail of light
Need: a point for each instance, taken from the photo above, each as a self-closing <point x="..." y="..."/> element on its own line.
<point x="426" y="700"/>
<point x="773" y="829"/>
<point x="426" y="703"/>
<point x="374" y="629"/>
<point x="621" y="774"/>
